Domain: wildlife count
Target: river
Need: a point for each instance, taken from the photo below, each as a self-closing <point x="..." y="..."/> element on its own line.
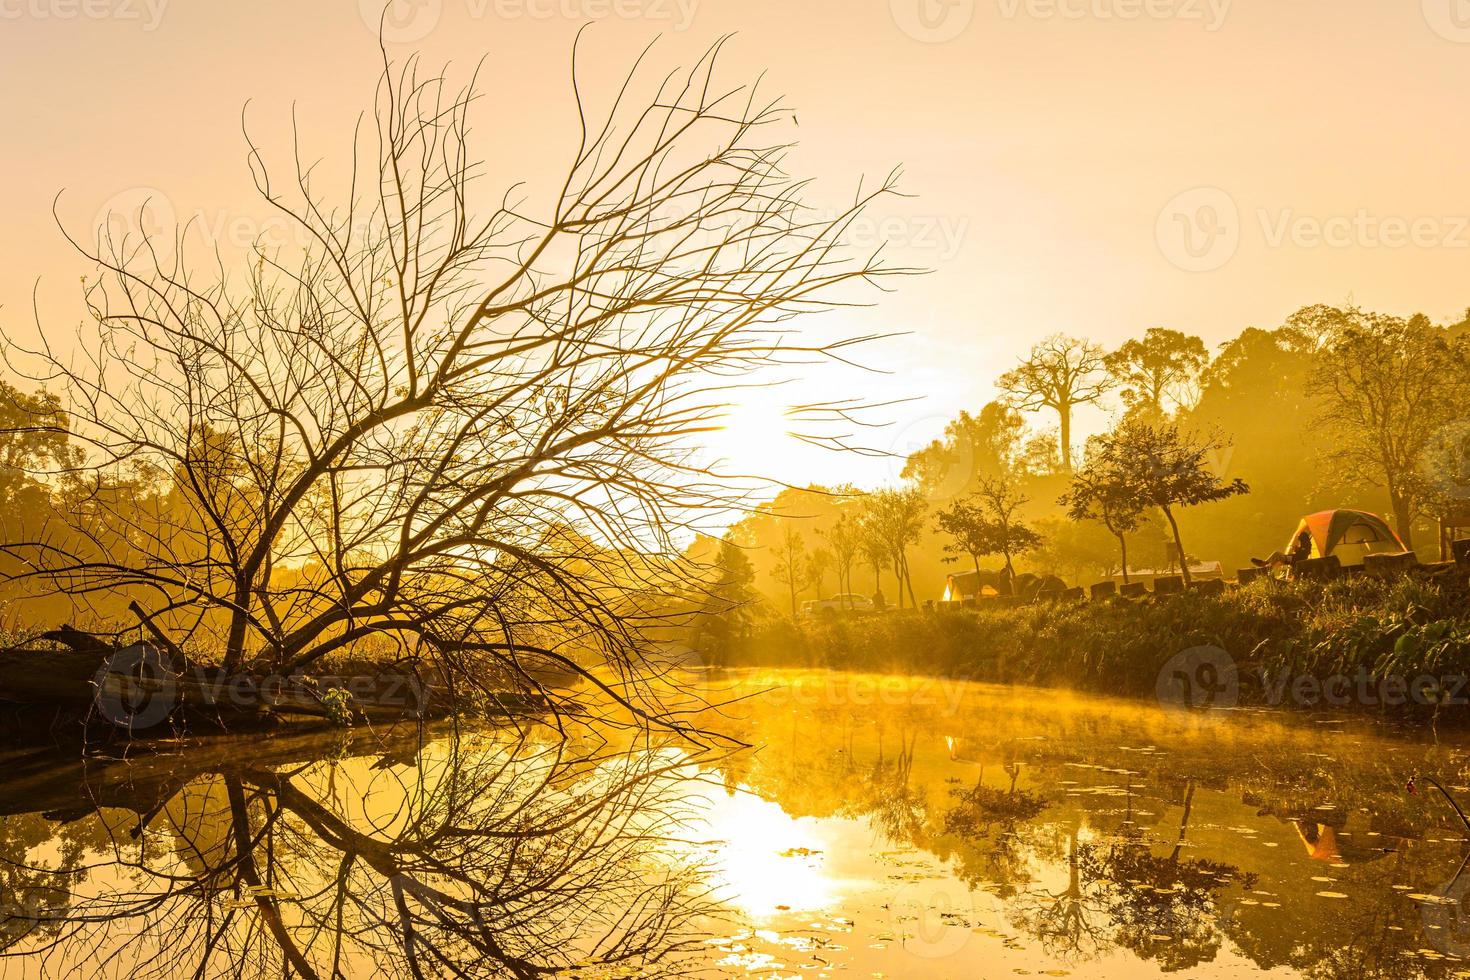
<point x="877" y="827"/>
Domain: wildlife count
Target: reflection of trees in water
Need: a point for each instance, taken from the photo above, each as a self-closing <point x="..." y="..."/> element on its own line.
<point x="885" y="795"/>
<point x="815" y="766"/>
<point x="1161" y="907"/>
<point x="1068" y="923"/>
<point x="34" y="895"/>
<point x="489" y="857"/>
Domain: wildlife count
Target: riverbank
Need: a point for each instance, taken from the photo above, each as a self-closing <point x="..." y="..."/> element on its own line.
<point x="1294" y="643"/>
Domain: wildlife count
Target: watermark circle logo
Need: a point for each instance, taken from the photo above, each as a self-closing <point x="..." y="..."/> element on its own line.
<point x="1199" y="229"/>
<point x="947" y="474"/>
<point x="1445" y="465"/>
<point x="1199" y="678"/>
<point x="135" y="688"/>
<point x="401" y="21"/>
<point x="129" y="218"/>
<point x="932" y="21"/>
<point x="936" y="917"/>
<point x="1450" y="19"/>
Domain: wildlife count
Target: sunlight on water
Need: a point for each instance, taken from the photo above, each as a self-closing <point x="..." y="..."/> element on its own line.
<point x="886" y="827"/>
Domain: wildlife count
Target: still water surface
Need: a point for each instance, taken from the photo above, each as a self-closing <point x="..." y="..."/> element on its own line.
<point x="895" y="827"/>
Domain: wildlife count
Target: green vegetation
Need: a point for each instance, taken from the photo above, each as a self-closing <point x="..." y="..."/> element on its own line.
<point x="1337" y="407"/>
<point x="1407" y="627"/>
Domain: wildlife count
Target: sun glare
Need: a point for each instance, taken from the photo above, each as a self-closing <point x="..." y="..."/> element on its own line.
<point x="753" y="435"/>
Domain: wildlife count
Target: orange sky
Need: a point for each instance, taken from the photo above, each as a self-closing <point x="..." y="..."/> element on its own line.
<point x="1090" y="166"/>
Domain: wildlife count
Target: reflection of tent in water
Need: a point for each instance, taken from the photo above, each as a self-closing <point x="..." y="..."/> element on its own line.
<point x="1327" y="843"/>
<point x="1348" y="534"/>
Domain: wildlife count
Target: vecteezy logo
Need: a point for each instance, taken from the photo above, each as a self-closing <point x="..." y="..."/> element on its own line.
<point x="129" y="218"/>
<point x="1197" y="678"/>
<point x="401" y="21"/>
<point x="945" y="474"/>
<point x="932" y="21"/>
<point x="1199" y="230"/>
<point x="135" y="687"/>
<point x="937" y="917"/>
<point x="1450" y="19"/>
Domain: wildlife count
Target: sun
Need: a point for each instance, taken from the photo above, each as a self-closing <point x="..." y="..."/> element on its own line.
<point x="753" y="434"/>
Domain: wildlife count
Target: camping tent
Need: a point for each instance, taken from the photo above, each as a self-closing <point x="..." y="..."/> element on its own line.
<point x="1348" y="534"/>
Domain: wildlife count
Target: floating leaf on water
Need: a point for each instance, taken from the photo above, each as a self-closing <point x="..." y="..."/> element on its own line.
<point x="1331" y="895"/>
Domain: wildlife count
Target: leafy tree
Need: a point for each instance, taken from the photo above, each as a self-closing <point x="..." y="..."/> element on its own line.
<point x="1060" y="373"/>
<point x="1162" y="368"/>
<point x="1076" y="551"/>
<point x="818" y="562"/>
<point x="873" y="545"/>
<point x="964" y="521"/>
<point x="1164" y="468"/>
<point x="1101" y="491"/>
<point x="897" y="520"/>
<point x="1388" y="387"/>
<point x="1000" y="501"/>
<point x="972" y="444"/>
<point x="729" y="602"/>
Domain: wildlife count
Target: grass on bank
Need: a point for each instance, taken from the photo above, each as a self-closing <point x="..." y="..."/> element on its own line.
<point x="1403" y="627"/>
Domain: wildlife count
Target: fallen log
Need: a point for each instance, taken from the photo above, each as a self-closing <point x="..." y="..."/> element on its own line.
<point x="136" y="688"/>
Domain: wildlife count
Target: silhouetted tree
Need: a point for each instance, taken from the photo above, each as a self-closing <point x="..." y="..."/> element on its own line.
<point x="1165" y="469"/>
<point x="404" y="407"/>
<point x="1102" y="491"/>
<point x="1002" y="531"/>
<point x="897" y="519"/>
<point x="1060" y="373"/>
<point x="970" y="534"/>
<point x="845" y="540"/>
<point x="1163" y="366"/>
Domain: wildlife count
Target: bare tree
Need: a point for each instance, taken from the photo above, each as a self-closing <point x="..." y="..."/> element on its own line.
<point x="456" y="429"/>
<point x="793" y="566"/>
<point x="1060" y="373"/>
<point x="844" y="541"/>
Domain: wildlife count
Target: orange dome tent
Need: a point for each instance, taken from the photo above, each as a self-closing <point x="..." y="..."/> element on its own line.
<point x="1349" y="534"/>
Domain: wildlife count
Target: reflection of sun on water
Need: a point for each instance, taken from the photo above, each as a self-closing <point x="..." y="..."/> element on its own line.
<point x="767" y="862"/>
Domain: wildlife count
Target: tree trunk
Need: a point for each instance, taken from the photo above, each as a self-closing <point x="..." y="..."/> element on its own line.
<point x="1403" y="518"/>
<point x="907" y="577"/>
<point x="1123" y="548"/>
<point x="1178" y="545"/>
<point x="1064" y="435"/>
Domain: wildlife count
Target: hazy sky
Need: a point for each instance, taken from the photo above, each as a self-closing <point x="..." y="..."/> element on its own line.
<point x="1089" y="166"/>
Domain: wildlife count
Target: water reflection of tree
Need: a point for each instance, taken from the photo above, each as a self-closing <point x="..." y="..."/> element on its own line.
<point x="884" y="793"/>
<point x="1161" y="907"/>
<point x="34" y="896"/>
<point x="996" y="827"/>
<point x="1070" y="924"/>
<point x="490" y="857"/>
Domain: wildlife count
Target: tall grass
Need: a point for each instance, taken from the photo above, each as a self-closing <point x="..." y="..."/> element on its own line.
<point x="1408" y="626"/>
